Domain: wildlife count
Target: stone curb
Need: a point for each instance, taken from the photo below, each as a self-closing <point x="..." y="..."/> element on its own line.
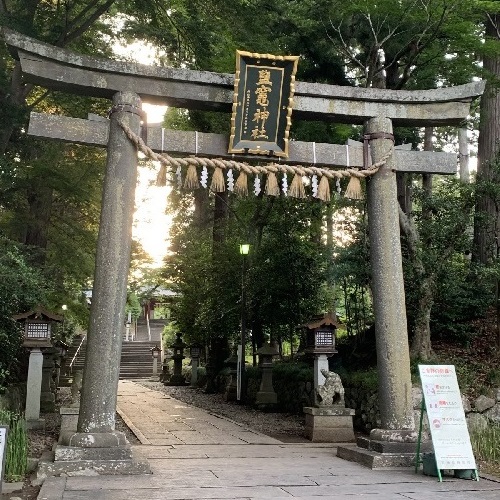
<point x="138" y="434"/>
<point x="52" y="488"/>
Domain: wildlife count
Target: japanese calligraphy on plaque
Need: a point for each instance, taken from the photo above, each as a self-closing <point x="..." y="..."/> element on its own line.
<point x="262" y="103"/>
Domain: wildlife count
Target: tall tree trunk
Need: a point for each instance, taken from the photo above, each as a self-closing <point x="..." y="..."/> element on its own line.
<point x="13" y="106"/>
<point x="218" y="342"/>
<point x="489" y="137"/>
<point x="40" y="208"/>
<point x="329" y="265"/>
<point x="421" y="347"/>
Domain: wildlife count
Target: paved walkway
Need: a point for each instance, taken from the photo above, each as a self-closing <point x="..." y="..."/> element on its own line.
<point x="196" y="455"/>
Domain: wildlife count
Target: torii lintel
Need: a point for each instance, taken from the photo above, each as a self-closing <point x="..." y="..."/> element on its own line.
<point x="61" y="69"/>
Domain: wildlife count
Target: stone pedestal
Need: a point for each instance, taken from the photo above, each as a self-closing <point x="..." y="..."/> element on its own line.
<point x="194" y="371"/>
<point x="69" y="422"/>
<point x="48" y="396"/>
<point x="33" y="390"/>
<point x="155" y="377"/>
<point x="320" y="363"/>
<point x="231" y="392"/>
<point x="329" y="424"/>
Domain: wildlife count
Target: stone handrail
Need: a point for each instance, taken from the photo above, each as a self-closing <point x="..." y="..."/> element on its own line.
<point x="70" y="368"/>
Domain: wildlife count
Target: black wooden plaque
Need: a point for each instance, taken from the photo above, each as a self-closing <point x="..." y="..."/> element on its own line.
<point x="262" y="105"/>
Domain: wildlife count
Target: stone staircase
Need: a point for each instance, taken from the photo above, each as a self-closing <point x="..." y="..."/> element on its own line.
<point x="136" y="360"/>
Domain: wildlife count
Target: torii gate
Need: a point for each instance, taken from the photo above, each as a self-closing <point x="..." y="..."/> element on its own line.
<point x="126" y="84"/>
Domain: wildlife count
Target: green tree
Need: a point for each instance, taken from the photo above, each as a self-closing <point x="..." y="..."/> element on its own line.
<point x="22" y="287"/>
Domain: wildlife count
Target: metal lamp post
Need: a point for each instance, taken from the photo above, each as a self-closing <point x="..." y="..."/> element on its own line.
<point x="64" y="308"/>
<point x="244" y="250"/>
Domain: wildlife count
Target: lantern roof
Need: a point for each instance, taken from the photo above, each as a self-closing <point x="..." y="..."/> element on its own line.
<point x="327" y="319"/>
<point x="38" y="313"/>
<point x="268" y="350"/>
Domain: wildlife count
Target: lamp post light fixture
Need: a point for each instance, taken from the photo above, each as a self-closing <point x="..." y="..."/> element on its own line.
<point x="244" y="251"/>
<point x="64" y="308"/>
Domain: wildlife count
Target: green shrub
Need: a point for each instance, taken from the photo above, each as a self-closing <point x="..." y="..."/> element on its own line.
<point x="486" y="444"/>
<point x="367" y="380"/>
<point x="16" y="461"/>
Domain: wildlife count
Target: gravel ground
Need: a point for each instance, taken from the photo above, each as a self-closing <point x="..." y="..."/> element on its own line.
<point x="283" y="426"/>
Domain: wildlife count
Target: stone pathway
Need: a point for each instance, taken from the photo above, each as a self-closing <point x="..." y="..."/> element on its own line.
<point x="197" y="455"/>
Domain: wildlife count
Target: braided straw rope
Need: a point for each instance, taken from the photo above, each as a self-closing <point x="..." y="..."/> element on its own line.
<point x="169" y="161"/>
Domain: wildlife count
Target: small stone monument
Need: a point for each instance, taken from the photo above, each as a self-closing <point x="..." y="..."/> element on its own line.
<point x="330" y="421"/>
<point x="266" y="398"/>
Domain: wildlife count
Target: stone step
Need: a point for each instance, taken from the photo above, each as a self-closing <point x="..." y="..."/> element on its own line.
<point x="136" y="360"/>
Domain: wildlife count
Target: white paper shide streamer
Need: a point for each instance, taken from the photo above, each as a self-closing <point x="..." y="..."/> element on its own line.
<point x="256" y="186"/>
<point x="178" y="174"/>
<point x="284" y="184"/>
<point x="230" y="180"/>
<point x="204" y="177"/>
<point x="314" y="185"/>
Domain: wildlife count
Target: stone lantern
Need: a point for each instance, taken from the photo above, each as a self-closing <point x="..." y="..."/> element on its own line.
<point x="231" y="392"/>
<point x="329" y="421"/>
<point x="320" y="341"/>
<point x="266" y="398"/>
<point x="178" y="355"/>
<point x="37" y="336"/>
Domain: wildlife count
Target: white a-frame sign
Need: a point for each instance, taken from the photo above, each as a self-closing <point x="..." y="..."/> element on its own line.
<point x="448" y="426"/>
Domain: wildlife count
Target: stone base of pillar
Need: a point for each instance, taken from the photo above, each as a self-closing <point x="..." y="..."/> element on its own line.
<point x="81" y="453"/>
<point x="35" y="423"/>
<point x="329" y="424"/>
<point x="48" y="466"/>
<point x="384" y="453"/>
<point x="69" y="422"/>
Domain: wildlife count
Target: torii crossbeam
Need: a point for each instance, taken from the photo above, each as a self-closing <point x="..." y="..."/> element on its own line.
<point x="126" y="84"/>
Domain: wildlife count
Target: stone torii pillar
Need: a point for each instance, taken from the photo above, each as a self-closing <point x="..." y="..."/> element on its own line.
<point x="102" y="360"/>
<point x="393" y="355"/>
<point x="379" y="110"/>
